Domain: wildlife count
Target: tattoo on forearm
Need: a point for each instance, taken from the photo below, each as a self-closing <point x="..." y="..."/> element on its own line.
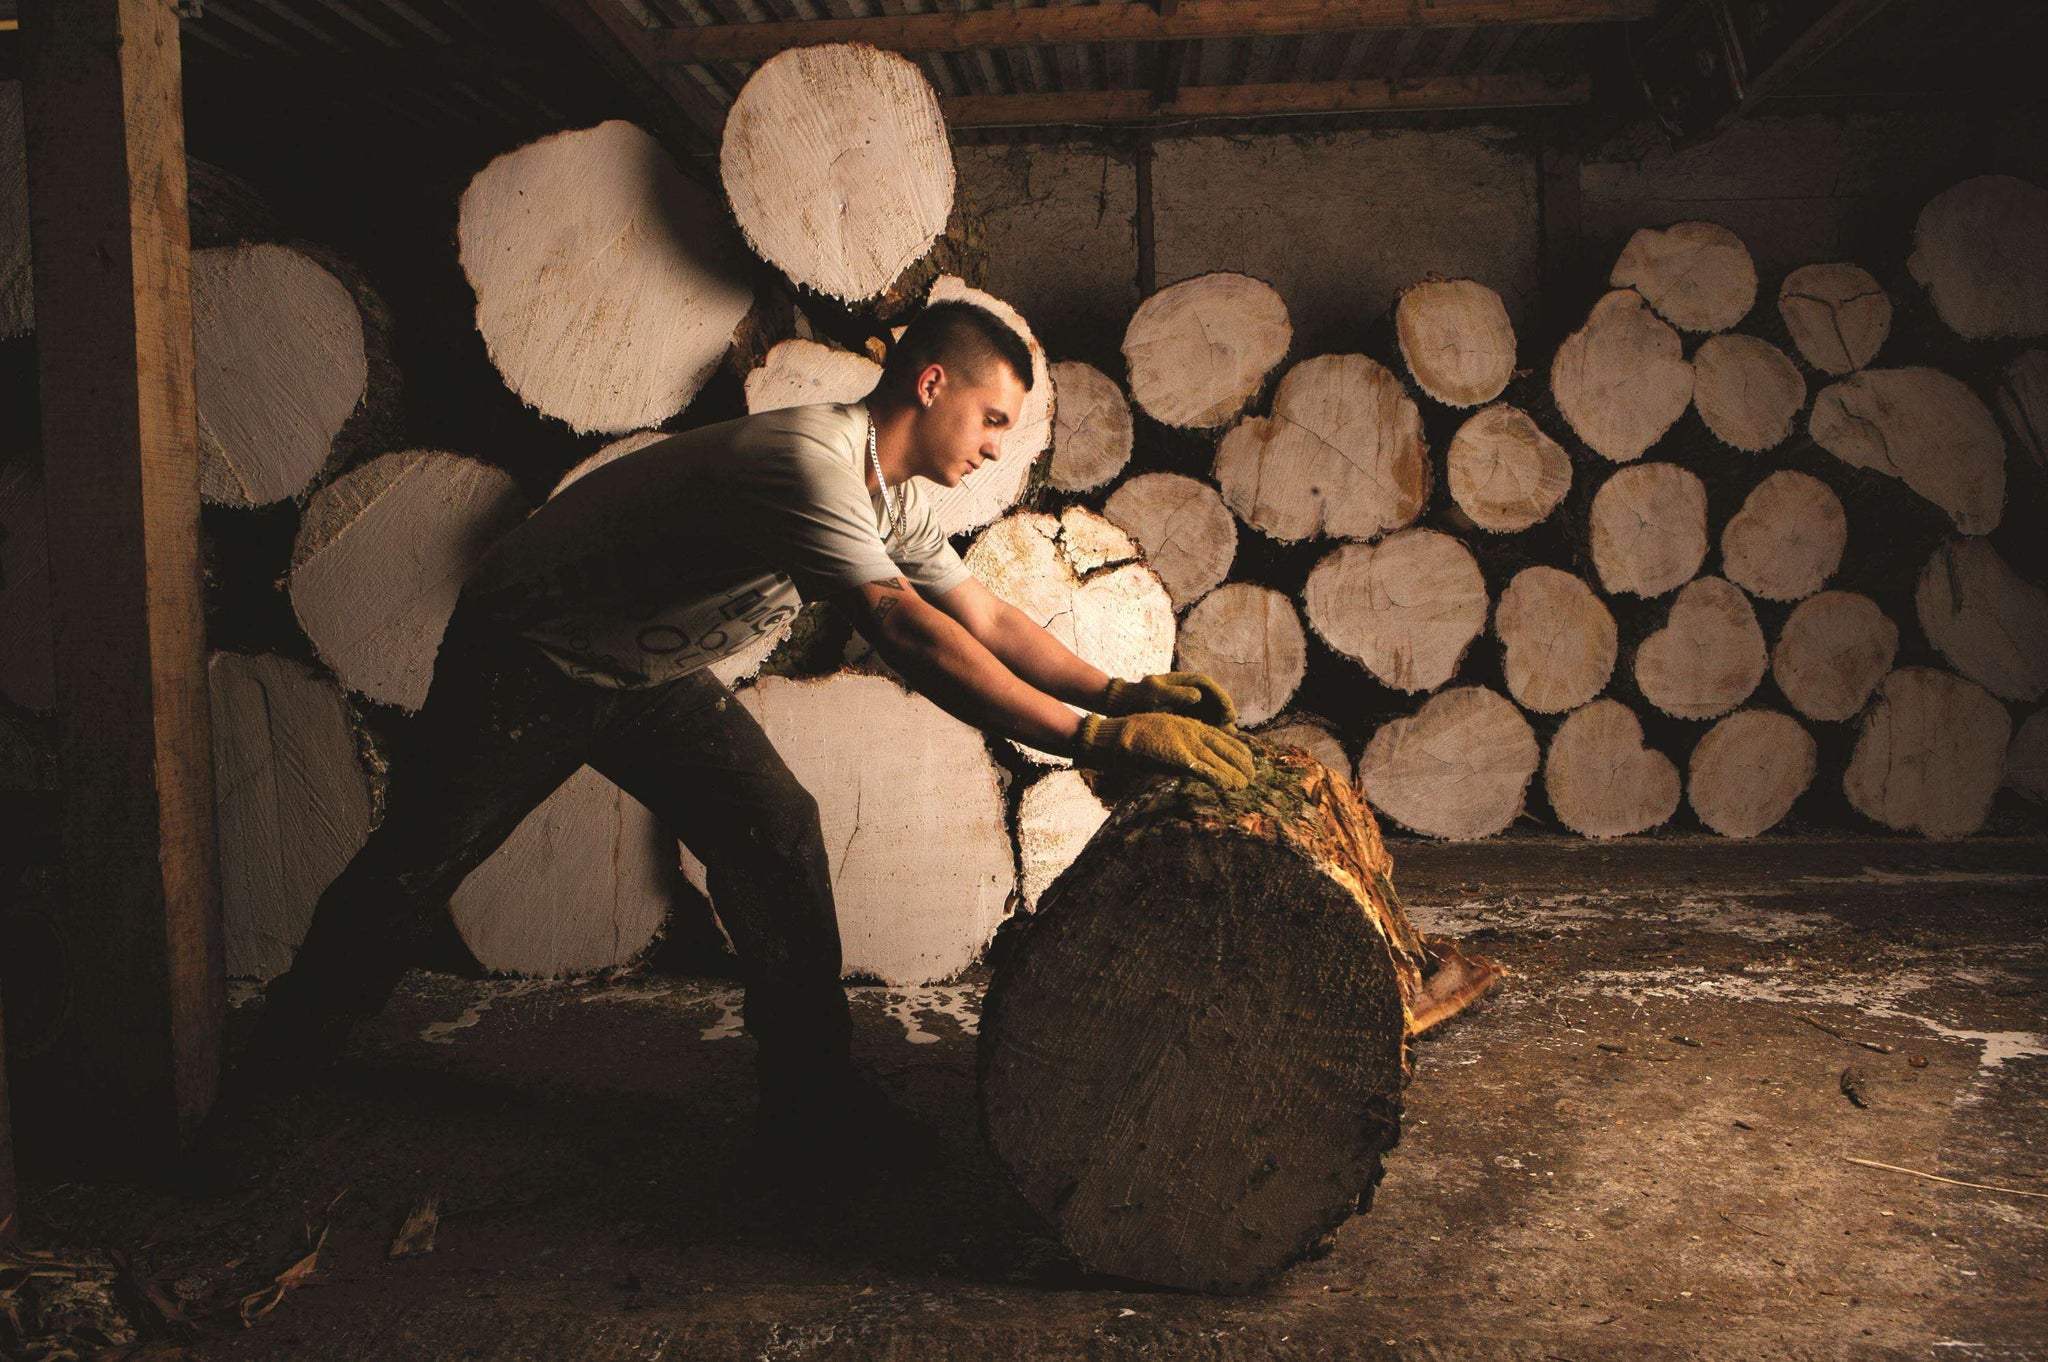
<point x="895" y="588"/>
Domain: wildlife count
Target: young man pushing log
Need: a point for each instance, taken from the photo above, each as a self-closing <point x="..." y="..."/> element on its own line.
<point x="585" y="636"/>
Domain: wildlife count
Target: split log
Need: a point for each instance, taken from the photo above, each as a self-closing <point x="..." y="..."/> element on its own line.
<point x="280" y="364"/>
<point x="796" y="373"/>
<point x="1838" y="315"/>
<point x="583" y="883"/>
<point x="1708" y="657"/>
<point x="381" y="555"/>
<point x="1505" y="473"/>
<point x="1092" y="433"/>
<point x="1204" y="943"/>
<point x="1601" y="780"/>
<point x="1306" y="733"/>
<point x="837" y="165"/>
<point x="991" y="490"/>
<point x="1405" y="609"/>
<point x="1458" y="768"/>
<point x="1622" y="379"/>
<point x="1649" y="529"/>
<point x="2026" y="760"/>
<point x="1189" y="536"/>
<point x="1558" y="640"/>
<point x="1988" y="621"/>
<point x="291" y="799"/>
<point x="1249" y="639"/>
<point x="1698" y="275"/>
<point x="28" y="647"/>
<point x="2023" y="397"/>
<point x="1981" y="250"/>
<point x="17" y="293"/>
<point x="1923" y="427"/>
<point x="607" y="285"/>
<point x="1055" y="819"/>
<point x="1833" y="650"/>
<point x="1749" y="770"/>
<point x="1456" y="340"/>
<point x="1199" y="351"/>
<point x="1747" y="391"/>
<point x="1077" y="576"/>
<point x="1341" y="455"/>
<point x="1930" y="754"/>
<point x="1787" y="539"/>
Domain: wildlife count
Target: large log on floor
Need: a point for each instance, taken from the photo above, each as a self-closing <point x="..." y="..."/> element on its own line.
<point x="1832" y="651"/>
<point x="1558" y="640"/>
<point x="1310" y="734"/>
<point x="1929" y="755"/>
<point x="1708" y="657"/>
<point x="1457" y="768"/>
<point x="1787" y="539"/>
<point x="1838" y="315"/>
<point x="1199" y="351"/>
<point x="1622" y="379"/>
<point x="992" y="489"/>
<point x="1341" y="455"/>
<point x="1600" y="778"/>
<point x="836" y="162"/>
<point x="1504" y="472"/>
<point x="1247" y="945"/>
<point x="1189" y="536"/>
<point x="1923" y="427"/>
<point x="1981" y="250"/>
<point x="1405" y="609"/>
<point x="1249" y="639"/>
<point x="1748" y="771"/>
<point x="1456" y="340"/>
<point x="607" y="285"/>
<point x="1697" y="275"/>
<point x="1988" y="621"/>
<point x="1747" y="391"/>
<point x="1649" y="529"/>
<point x="1092" y="432"/>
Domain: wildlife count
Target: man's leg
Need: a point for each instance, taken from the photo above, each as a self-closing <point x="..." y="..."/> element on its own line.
<point x="500" y="730"/>
<point x="694" y="756"/>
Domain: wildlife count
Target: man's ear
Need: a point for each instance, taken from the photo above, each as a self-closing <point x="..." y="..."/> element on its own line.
<point x="929" y="382"/>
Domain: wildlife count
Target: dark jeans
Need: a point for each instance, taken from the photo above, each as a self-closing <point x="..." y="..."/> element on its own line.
<point x="501" y="729"/>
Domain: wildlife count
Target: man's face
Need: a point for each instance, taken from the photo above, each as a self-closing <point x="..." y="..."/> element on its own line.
<point x="962" y="419"/>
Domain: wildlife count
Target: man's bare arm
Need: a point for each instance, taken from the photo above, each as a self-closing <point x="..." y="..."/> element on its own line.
<point x="1023" y="646"/>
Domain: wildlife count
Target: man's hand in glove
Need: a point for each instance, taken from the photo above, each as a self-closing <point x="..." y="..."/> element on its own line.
<point x="1172" y="741"/>
<point x="1187" y="693"/>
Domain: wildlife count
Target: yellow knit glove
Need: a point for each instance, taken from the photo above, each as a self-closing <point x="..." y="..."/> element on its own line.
<point x="1189" y="693"/>
<point x="1171" y="741"/>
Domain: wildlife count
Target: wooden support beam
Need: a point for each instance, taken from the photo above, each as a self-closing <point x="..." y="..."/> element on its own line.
<point x="1254" y="101"/>
<point x="134" y="1067"/>
<point x="960" y="31"/>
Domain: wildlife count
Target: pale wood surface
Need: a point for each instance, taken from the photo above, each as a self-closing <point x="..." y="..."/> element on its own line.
<point x="1838" y="315"/>
<point x="1708" y="657"/>
<point x="1748" y="771"/>
<point x="1698" y="275"/>
<point x="798" y="372"/>
<point x="1189" y="536"/>
<point x="1925" y="428"/>
<point x="1988" y="621"/>
<point x="1249" y="639"/>
<point x="1929" y="755"/>
<point x="1601" y="780"/>
<point x="1622" y="379"/>
<point x="1505" y="473"/>
<point x="1457" y="768"/>
<point x="1980" y="249"/>
<point x="1092" y="433"/>
<point x="1456" y="340"/>
<point x="1649" y="529"/>
<point x="1405" y="609"/>
<point x="1055" y="818"/>
<point x="1558" y="640"/>
<point x="1200" y="350"/>
<point x="1787" y="539"/>
<point x="1747" y="391"/>
<point x="1311" y="734"/>
<point x="1832" y="651"/>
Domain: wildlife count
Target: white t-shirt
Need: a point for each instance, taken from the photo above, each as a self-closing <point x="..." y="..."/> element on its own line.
<point x="672" y="556"/>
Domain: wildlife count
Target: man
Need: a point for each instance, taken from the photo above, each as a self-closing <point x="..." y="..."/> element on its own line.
<point x="584" y="637"/>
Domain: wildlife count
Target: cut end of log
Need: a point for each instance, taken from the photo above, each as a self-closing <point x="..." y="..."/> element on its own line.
<point x="1708" y="657"/>
<point x="1189" y="536"/>
<point x="1981" y="250"/>
<point x="1749" y="770"/>
<point x="1456" y="340"/>
<point x="1456" y="769"/>
<point x="1250" y="640"/>
<point x="1988" y="621"/>
<point x="1833" y="650"/>
<point x="1930" y="754"/>
<point x="1787" y="539"/>
<point x="1092" y="432"/>
<point x="1505" y="473"/>
<point x="1558" y="640"/>
<point x="1698" y="275"/>
<point x="1405" y="609"/>
<point x="1747" y="391"/>
<point x="1925" y="428"/>
<point x="797" y="373"/>
<point x="1838" y="314"/>
<point x="1622" y="379"/>
<point x="1649" y="529"/>
<point x="1199" y="351"/>
<point x="1601" y="780"/>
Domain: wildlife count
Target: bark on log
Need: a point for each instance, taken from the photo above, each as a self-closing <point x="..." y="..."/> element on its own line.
<point x="836" y="162"/>
<point x="2026" y="759"/>
<point x="583" y="883"/>
<point x="1838" y="315"/>
<point x="1405" y="609"/>
<point x="1092" y="433"/>
<point x="1698" y="275"/>
<point x="1309" y="734"/>
<point x="1748" y="771"/>
<point x="1930" y="754"/>
<point x="1246" y="943"/>
<point x="1055" y="819"/>
<point x="1708" y="657"/>
<point x="2023" y="398"/>
<point x="1077" y="576"/>
<point x="1458" y="768"/>
<point x="1189" y="536"/>
<point x="608" y="286"/>
<point x="1341" y="455"/>
<point x="1505" y="473"/>
<point x="17" y="296"/>
<point x="281" y="362"/>
<point x="1456" y="340"/>
<point x="291" y="799"/>
<point x="796" y="373"/>
<point x="1787" y="539"/>
<point x="1747" y="391"/>
<point x="1199" y="351"/>
<point x="1558" y="640"/>
<point x="1249" y="639"/>
<point x="1988" y="621"/>
<point x="1649" y="529"/>
<point x="1832" y="651"/>
<point x="28" y="673"/>
<point x="991" y="490"/>
<point x="381" y="555"/>
<point x="1981" y="250"/>
<point x="1600" y="778"/>
<point x="1925" y="428"/>
<point x="1622" y="379"/>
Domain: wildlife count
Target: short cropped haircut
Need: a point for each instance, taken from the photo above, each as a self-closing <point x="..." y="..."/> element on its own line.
<point x="960" y="336"/>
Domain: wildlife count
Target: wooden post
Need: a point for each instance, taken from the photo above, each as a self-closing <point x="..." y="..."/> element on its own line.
<point x="136" y="1066"/>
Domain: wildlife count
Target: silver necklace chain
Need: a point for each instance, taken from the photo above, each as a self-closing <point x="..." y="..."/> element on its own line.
<point x="893" y="507"/>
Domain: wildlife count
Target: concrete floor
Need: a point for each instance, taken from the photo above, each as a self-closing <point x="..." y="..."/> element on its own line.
<point x="1638" y="1149"/>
